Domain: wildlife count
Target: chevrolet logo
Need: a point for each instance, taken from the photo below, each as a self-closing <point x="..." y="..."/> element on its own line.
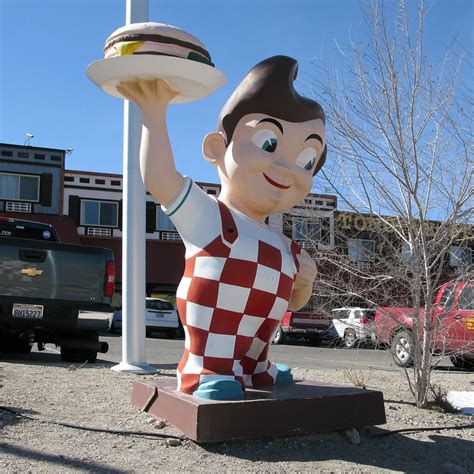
<point x="31" y="272"/>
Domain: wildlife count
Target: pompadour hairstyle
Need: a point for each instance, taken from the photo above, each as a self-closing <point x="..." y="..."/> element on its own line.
<point x="268" y="89"/>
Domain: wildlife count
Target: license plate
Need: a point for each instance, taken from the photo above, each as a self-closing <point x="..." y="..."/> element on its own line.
<point x="470" y="324"/>
<point x="27" y="311"/>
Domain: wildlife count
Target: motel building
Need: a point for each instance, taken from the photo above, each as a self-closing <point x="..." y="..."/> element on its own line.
<point x="86" y="208"/>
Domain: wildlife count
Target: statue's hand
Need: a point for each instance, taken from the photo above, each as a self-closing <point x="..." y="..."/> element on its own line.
<point x="307" y="272"/>
<point x="148" y="94"/>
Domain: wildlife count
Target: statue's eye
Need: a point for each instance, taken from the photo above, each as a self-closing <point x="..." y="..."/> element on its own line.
<point x="266" y="140"/>
<point x="306" y="158"/>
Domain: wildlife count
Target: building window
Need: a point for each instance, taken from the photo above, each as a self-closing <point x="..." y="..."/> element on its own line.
<point x="23" y="154"/>
<point x="39" y="156"/>
<point x="84" y="180"/>
<point x="361" y="251"/>
<point x="100" y="181"/>
<point x="7" y="153"/>
<point x="306" y="229"/>
<point x="115" y="183"/>
<point x="56" y="158"/>
<point x="99" y="213"/>
<point x="19" y="187"/>
<point x="69" y="179"/>
<point x="460" y="257"/>
<point x="163" y="222"/>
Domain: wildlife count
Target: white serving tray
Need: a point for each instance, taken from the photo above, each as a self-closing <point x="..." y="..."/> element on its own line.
<point x="193" y="80"/>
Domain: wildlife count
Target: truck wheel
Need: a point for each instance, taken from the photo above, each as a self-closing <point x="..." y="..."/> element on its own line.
<point x="462" y="363"/>
<point x="23" y="347"/>
<point x="279" y="336"/>
<point x="77" y="355"/>
<point x="402" y="348"/>
<point x="16" y="346"/>
<point x="350" y="338"/>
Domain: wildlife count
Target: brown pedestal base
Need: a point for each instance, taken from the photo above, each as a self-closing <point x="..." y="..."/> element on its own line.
<point x="278" y="410"/>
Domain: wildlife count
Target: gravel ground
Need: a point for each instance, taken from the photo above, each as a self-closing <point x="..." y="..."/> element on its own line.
<point x="94" y="395"/>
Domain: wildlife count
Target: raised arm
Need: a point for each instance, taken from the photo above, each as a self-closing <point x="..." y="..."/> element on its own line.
<point x="157" y="164"/>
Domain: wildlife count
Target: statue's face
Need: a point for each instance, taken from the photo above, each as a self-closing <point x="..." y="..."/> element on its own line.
<point x="269" y="164"/>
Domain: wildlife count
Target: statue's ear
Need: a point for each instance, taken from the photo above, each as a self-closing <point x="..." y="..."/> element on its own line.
<point x="214" y="147"/>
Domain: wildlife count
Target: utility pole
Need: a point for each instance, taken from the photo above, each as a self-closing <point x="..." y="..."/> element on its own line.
<point x="134" y="236"/>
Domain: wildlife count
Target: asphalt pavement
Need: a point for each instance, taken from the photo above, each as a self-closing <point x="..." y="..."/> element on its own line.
<point x="165" y="353"/>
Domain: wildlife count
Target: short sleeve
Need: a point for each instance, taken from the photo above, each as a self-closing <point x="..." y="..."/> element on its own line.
<point x="195" y="215"/>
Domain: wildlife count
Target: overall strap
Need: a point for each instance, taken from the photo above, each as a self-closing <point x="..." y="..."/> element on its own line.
<point x="229" y="229"/>
<point x="295" y="251"/>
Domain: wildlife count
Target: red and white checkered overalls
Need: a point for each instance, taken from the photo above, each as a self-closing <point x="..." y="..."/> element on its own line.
<point x="232" y="297"/>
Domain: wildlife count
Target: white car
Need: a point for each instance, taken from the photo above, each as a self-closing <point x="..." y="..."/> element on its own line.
<point x="354" y="325"/>
<point x="160" y="317"/>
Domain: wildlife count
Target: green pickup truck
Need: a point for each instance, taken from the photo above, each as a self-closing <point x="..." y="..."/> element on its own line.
<point x="44" y="284"/>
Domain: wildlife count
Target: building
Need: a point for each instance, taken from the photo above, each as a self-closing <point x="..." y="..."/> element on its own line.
<point x="32" y="179"/>
<point x="86" y="207"/>
<point x="32" y="184"/>
<point x="94" y="202"/>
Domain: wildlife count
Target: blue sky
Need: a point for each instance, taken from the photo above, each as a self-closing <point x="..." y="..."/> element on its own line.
<point x="46" y="46"/>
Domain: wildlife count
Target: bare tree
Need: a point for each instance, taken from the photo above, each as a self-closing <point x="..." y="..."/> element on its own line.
<point x="400" y="131"/>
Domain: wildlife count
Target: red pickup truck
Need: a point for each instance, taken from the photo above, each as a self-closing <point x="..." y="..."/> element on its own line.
<point x="452" y="320"/>
<point x="313" y="327"/>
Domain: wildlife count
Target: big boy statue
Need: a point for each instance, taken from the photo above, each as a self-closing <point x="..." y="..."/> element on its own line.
<point x="240" y="276"/>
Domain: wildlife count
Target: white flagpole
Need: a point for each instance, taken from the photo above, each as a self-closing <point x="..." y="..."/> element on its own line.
<point x="133" y="233"/>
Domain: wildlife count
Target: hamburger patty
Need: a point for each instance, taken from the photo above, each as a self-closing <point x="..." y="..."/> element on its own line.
<point x="200" y="54"/>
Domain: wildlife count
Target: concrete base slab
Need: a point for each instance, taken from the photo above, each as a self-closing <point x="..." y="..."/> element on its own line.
<point x="279" y="410"/>
<point x="135" y="368"/>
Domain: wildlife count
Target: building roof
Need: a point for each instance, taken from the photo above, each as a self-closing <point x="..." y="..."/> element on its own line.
<point x="32" y="147"/>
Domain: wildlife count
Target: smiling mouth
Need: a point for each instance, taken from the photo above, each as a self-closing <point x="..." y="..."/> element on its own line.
<point x="274" y="183"/>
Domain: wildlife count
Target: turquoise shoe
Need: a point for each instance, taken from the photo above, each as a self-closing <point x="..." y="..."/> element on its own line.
<point x="220" y="390"/>
<point x="284" y="374"/>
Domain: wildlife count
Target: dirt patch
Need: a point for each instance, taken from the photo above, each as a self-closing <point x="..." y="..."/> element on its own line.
<point x="95" y="396"/>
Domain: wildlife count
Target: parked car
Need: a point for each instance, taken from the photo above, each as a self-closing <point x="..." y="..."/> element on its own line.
<point x="354" y="325"/>
<point x="313" y="327"/>
<point x="453" y="320"/>
<point x="160" y="317"/>
<point x="44" y="284"/>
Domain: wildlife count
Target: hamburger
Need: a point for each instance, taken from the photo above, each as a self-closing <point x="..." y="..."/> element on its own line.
<point x="155" y="39"/>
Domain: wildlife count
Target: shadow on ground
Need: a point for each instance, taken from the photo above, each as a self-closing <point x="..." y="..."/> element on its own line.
<point x="10" y="419"/>
<point x="55" y="463"/>
<point x="47" y="358"/>
<point x="395" y="453"/>
<point x="51" y="359"/>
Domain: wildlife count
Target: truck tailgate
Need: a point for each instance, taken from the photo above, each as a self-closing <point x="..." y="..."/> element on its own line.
<point x="34" y="269"/>
<point x="311" y="321"/>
